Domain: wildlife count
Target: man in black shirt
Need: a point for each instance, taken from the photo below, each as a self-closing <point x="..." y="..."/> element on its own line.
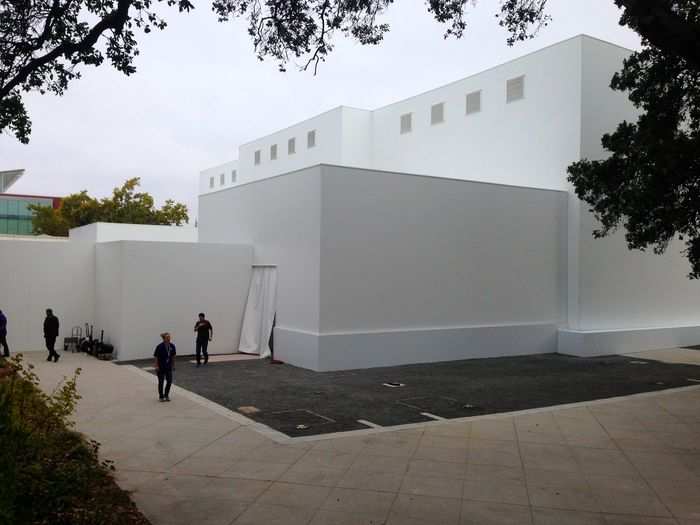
<point x="164" y="354"/>
<point x="205" y="332"/>
<point x="50" y="334"/>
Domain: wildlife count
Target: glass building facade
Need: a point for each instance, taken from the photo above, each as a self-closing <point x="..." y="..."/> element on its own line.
<point x="15" y="215"/>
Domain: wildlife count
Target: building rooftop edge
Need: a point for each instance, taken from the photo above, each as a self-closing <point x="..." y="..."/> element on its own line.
<point x="423" y="175"/>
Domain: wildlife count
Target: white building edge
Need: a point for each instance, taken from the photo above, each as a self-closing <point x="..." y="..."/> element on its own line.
<point x="440" y="227"/>
<point x="390" y="249"/>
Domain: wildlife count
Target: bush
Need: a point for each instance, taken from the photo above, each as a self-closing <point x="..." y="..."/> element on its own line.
<point x="49" y="474"/>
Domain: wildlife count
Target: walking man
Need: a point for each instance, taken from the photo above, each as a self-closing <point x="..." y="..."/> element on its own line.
<point x="164" y="354"/>
<point x="205" y="332"/>
<point x="50" y="334"/>
<point x="3" y="335"/>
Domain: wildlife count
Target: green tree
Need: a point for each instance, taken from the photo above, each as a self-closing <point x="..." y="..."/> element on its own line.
<point x="44" y="43"/>
<point x="650" y="183"/>
<point x="124" y="206"/>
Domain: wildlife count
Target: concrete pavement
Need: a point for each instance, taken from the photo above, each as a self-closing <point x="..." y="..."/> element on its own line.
<point x="633" y="460"/>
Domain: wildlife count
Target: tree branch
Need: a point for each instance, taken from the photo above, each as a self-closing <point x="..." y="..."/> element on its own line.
<point x="114" y="21"/>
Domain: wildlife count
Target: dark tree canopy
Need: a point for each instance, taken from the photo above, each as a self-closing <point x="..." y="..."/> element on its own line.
<point x="650" y="183"/>
<point x="44" y="43"/>
<point x="125" y="206"/>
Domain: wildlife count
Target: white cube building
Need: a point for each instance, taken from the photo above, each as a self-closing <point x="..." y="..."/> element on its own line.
<point x="443" y="226"/>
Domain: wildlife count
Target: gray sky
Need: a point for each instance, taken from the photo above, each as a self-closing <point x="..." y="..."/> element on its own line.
<point x="199" y="91"/>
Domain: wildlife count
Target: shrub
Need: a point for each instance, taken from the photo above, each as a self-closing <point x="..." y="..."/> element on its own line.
<point x="49" y="474"/>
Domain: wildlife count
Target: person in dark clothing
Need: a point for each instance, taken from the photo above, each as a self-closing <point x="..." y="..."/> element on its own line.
<point x="165" y="355"/>
<point x="3" y="335"/>
<point x="205" y="332"/>
<point x="50" y="334"/>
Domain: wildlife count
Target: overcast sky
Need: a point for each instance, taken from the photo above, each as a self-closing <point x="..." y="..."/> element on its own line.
<point x="199" y="92"/>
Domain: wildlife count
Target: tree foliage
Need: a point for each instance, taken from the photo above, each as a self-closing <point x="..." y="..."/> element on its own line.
<point x="650" y="183"/>
<point x="44" y="43"/>
<point x="124" y="206"/>
<point x="50" y="473"/>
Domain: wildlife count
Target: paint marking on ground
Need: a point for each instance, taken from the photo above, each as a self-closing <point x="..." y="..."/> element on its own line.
<point x="432" y="416"/>
<point x="369" y="423"/>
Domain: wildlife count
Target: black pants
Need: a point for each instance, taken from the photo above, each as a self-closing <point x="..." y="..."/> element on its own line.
<point x="201" y="348"/>
<point x="3" y="343"/>
<point x="167" y="376"/>
<point x="50" y="343"/>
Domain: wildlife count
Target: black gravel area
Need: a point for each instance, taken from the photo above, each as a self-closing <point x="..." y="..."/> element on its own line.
<point x="301" y="402"/>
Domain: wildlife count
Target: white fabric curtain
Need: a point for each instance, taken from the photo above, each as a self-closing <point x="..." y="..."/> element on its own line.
<point x="259" y="312"/>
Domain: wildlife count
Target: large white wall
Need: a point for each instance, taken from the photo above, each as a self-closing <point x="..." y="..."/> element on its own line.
<point x="379" y="268"/>
<point x="133" y="290"/>
<point x="417" y="268"/>
<point x="400" y="251"/>
<point x="41" y="274"/>
<point x="162" y="286"/>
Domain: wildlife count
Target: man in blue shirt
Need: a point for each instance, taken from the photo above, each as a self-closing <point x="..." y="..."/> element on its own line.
<point x="165" y="355"/>
<point x="3" y="334"/>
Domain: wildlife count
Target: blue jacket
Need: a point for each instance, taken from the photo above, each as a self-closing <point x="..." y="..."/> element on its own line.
<point x="3" y="324"/>
<point x="165" y="358"/>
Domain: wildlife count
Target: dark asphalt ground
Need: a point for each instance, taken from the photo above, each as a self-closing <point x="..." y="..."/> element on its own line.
<point x="287" y="396"/>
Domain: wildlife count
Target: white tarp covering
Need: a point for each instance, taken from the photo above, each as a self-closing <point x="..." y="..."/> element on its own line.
<point x="259" y="312"/>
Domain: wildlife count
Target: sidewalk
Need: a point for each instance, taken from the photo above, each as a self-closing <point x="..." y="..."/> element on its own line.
<point x="630" y="461"/>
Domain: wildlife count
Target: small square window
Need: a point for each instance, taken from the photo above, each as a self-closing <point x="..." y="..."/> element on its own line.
<point x="291" y="146"/>
<point x="222" y="179"/>
<point x="211" y="182"/>
<point x="406" y="123"/>
<point x="515" y="89"/>
<point x="257" y="157"/>
<point x="473" y="102"/>
<point x="234" y="175"/>
<point x="273" y="152"/>
<point x="311" y="139"/>
<point x="437" y="113"/>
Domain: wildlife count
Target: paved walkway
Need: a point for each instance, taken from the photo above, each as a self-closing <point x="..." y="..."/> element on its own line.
<point x="631" y="461"/>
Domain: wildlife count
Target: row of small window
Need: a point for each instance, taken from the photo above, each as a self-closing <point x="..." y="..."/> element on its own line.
<point x="222" y="179"/>
<point x="291" y="150"/>
<point x="515" y="90"/>
<point x="291" y="147"/>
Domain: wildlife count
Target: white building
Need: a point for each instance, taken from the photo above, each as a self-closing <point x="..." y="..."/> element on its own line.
<point x="443" y="227"/>
<point x="439" y="227"/>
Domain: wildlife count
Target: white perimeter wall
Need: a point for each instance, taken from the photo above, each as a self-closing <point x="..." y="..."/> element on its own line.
<point x="108" y="232"/>
<point x="381" y="268"/>
<point x="37" y="275"/>
<point x="162" y="287"/>
<point x="132" y="290"/>
<point x="401" y="251"/>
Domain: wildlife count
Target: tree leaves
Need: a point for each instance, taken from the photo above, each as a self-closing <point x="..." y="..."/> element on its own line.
<point x="125" y="206"/>
<point x="650" y="184"/>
